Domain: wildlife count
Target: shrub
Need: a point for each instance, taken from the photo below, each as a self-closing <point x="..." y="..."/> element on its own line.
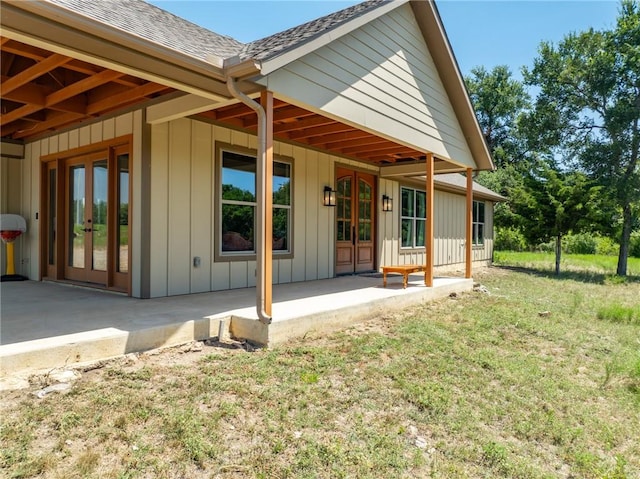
<point x="509" y="239"/>
<point x="549" y="247"/>
<point x="606" y="246"/>
<point x="634" y="244"/>
<point x="583" y="243"/>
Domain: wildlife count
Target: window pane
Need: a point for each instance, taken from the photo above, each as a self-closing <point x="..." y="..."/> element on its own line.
<point x="76" y="233"/>
<point x="407" y="233"/>
<point x="281" y="229"/>
<point x="281" y="183"/>
<point x="421" y="204"/>
<point x="238" y="177"/>
<point x="237" y="227"/>
<point x="99" y="216"/>
<point x="407" y="202"/>
<point x="420" y="229"/>
<point x="480" y="234"/>
<point x="480" y="212"/>
<point x="123" y="213"/>
<point x="52" y="216"/>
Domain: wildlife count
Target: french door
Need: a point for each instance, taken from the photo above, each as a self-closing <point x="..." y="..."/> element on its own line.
<point x="355" y="221"/>
<point x="86" y="217"/>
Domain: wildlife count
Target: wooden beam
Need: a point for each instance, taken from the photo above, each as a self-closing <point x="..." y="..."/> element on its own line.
<point x="18" y="113"/>
<point x="365" y="141"/>
<point x="429" y="246"/>
<point x="125" y="97"/>
<point x="266" y="99"/>
<point x="377" y="150"/>
<point x="469" y="225"/>
<point x="319" y="131"/>
<point x="339" y="137"/>
<point x="317" y="120"/>
<point x="82" y="86"/>
<point x="281" y="114"/>
<point x="33" y="72"/>
<point x="55" y="120"/>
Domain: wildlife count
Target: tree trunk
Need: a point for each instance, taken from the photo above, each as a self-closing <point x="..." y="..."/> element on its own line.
<point x="558" y="253"/>
<point x="624" y="241"/>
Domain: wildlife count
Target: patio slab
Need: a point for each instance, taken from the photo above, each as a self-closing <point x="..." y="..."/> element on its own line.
<point x="49" y="325"/>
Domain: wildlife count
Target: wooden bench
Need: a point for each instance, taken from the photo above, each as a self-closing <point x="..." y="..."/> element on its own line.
<point x="405" y="269"/>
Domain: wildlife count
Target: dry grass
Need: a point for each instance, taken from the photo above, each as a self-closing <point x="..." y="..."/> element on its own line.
<point x="473" y="386"/>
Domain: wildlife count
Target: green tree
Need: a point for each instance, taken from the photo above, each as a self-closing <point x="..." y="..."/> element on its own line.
<point x="588" y="109"/>
<point x="552" y="204"/>
<point x="499" y="101"/>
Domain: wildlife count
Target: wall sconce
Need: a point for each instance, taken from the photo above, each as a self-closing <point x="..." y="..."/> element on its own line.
<point x="329" y="196"/>
<point x="387" y="203"/>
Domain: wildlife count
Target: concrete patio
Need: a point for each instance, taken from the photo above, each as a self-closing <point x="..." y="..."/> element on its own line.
<point x="48" y="325"/>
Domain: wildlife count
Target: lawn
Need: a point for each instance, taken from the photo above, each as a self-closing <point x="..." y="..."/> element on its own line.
<point x="538" y="378"/>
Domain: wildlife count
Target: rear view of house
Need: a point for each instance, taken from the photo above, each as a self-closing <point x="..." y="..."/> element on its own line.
<point x="153" y="157"/>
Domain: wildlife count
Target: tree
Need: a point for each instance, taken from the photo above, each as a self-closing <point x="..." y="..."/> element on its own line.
<point x="499" y="101"/>
<point x="552" y="203"/>
<point x="588" y="108"/>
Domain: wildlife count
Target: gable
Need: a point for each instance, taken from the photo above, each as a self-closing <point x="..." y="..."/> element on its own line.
<point x="382" y="78"/>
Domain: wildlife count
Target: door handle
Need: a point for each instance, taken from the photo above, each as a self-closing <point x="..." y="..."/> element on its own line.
<point x="87" y="230"/>
<point x="353" y="236"/>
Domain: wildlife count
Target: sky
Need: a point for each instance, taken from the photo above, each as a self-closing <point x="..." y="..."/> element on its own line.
<point x="482" y="33"/>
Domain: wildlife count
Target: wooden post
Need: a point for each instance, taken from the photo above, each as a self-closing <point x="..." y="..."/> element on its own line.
<point x="266" y="100"/>
<point x="469" y="225"/>
<point x="429" y="240"/>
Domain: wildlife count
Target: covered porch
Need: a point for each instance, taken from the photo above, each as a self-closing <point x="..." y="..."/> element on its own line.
<point x="48" y="325"/>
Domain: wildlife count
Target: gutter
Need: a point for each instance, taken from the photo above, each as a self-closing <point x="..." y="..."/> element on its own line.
<point x="261" y="188"/>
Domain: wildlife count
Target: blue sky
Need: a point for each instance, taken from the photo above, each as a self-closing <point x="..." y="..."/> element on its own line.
<point x="481" y="32"/>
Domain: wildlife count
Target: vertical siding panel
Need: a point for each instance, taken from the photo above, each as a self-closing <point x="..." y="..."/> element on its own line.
<point x="299" y="221"/>
<point x="325" y="219"/>
<point x="109" y="129"/>
<point x="251" y="273"/>
<point x="63" y="141"/>
<point x="54" y="141"/>
<point x="220" y="276"/>
<point x="238" y="274"/>
<point x="201" y="205"/>
<point x="311" y="226"/>
<point x="179" y="206"/>
<point x="124" y="124"/>
<point x="159" y="208"/>
<point x="31" y="236"/>
<point x="33" y="267"/>
<point x="85" y="135"/>
<point x="74" y="139"/>
<point x="96" y="132"/>
<point x="284" y="271"/>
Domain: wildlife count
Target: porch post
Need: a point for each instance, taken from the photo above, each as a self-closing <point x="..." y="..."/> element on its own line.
<point x="429" y="240"/>
<point x="266" y="100"/>
<point x="469" y="225"/>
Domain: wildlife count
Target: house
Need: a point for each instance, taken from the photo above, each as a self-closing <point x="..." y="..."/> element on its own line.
<point x="153" y="157"/>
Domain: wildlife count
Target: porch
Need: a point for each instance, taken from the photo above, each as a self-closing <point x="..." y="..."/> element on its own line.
<point x="47" y="325"/>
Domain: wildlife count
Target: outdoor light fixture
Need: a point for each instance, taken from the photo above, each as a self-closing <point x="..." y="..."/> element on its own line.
<point x="329" y="196"/>
<point x="387" y="203"/>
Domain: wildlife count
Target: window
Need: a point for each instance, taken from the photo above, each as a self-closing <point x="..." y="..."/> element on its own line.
<point x="414" y="214"/>
<point x="238" y="204"/>
<point x="478" y="223"/>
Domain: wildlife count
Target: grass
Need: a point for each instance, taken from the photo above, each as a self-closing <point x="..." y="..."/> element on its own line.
<point x="476" y="386"/>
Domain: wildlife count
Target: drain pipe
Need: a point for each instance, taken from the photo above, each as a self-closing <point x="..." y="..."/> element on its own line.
<point x="261" y="280"/>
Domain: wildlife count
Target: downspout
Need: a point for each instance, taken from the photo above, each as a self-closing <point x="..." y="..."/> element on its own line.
<point x="261" y="188"/>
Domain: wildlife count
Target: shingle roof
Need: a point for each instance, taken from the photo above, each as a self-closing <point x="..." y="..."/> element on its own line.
<point x="156" y="25"/>
<point x="274" y="45"/>
<point x="151" y="23"/>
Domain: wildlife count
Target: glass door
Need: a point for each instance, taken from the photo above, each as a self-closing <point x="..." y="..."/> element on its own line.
<point x="87" y="228"/>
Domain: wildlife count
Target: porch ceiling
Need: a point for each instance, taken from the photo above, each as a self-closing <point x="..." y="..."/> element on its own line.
<point x="294" y="124"/>
<point x="43" y="91"/>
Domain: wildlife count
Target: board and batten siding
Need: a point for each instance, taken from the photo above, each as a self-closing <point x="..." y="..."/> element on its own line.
<point x="28" y="178"/>
<point x="449" y="231"/>
<point x="382" y="78"/>
<point x="184" y="186"/>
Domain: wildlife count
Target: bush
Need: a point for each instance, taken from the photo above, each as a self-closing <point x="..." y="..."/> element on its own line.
<point x="583" y="243"/>
<point x="549" y="247"/>
<point x="606" y="246"/>
<point x="509" y="239"/>
<point x="634" y="244"/>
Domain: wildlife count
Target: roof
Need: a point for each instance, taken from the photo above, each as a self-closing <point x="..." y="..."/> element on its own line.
<point x="139" y="18"/>
<point x="274" y="45"/>
<point x="458" y="182"/>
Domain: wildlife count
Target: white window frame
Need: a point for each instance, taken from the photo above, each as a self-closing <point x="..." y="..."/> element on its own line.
<point x="479" y="227"/>
<point x="414" y="219"/>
